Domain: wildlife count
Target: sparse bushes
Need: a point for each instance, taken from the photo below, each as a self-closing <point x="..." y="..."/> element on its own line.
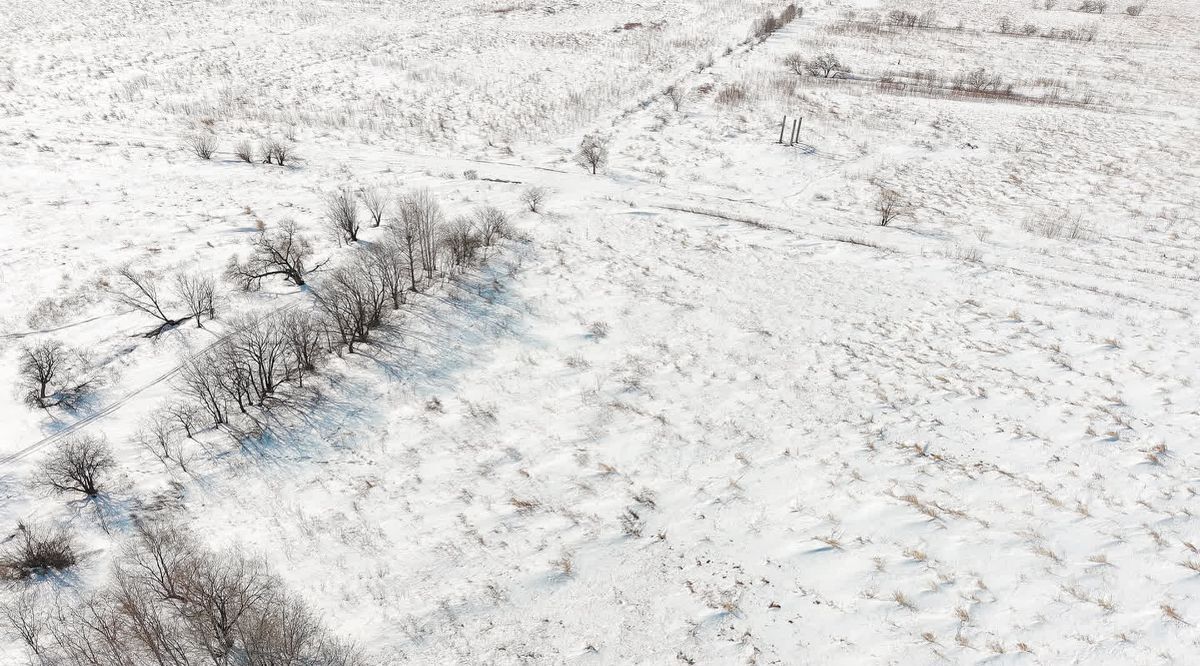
<point x="534" y="197"/>
<point x="1135" y="10"/>
<point x="54" y="375"/>
<point x="592" y="153"/>
<point x="78" y="464"/>
<point x="1072" y="227"/>
<point x="277" y="152"/>
<point x="170" y="601"/>
<point x="980" y="81"/>
<point x="284" y="252"/>
<point x="36" y="550"/>
<point x="1092" y="7"/>
<point x="1081" y="33"/>
<point x="202" y="144"/>
<point x="731" y="93"/>
<point x="341" y="214"/>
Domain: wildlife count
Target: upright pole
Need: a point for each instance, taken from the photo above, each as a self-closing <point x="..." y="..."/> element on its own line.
<point x="781" y="128"/>
<point x="795" y="131"/>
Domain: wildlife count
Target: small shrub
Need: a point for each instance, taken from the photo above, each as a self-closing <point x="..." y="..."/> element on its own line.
<point x="891" y="206"/>
<point x="36" y="550"/>
<point x="534" y="197"/>
<point x="1092" y="7"/>
<point x="244" y="151"/>
<point x="827" y="65"/>
<point x="202" y="144"/>
<point x="1135" y="10"/>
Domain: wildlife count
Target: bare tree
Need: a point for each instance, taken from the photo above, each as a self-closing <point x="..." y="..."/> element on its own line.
<point x="54" y="375"/>
<point x="376" y="201"/>
<point x="796" y="63"/>
<point x="185" y="414"/>
<point x="202" y="144"/>
<point x="341" y="213"/>
<point x="198" y="294"/>
<point x="592" y="153"/>
<point x="404" y="238"/>
<point x="891" y="206"/>
<point x="158" y="434"/>
<point x="24" y="614"/>
<point x="77" y="464"/>
<point x="140" y="291"/>
<point x="491" y="223"/>
<point x="201" y="380"/>
<point x="534" y="196"/>
<point x="827" y="66"/>
<point x="283" y="252"/>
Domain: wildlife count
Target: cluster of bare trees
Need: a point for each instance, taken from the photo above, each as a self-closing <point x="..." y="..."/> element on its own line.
<point x="248" y="367"/>
<point x="191" y="296"/>
<point x="171" y="602"/>
<point x="764" y="27"/>
<point x="245" y="369"/>
<point x="826" y="65"/>
<point x="904" y="18"/>
<point x="204" y="144"/>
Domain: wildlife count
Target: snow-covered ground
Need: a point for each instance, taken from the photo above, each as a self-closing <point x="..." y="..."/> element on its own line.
<point x="702" y="409"/>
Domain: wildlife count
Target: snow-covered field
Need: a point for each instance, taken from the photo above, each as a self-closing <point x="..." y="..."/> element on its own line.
<point x="700" y="408"/>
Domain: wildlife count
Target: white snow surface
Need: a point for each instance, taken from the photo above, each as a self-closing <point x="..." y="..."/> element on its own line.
<point x="948" y="440"/>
